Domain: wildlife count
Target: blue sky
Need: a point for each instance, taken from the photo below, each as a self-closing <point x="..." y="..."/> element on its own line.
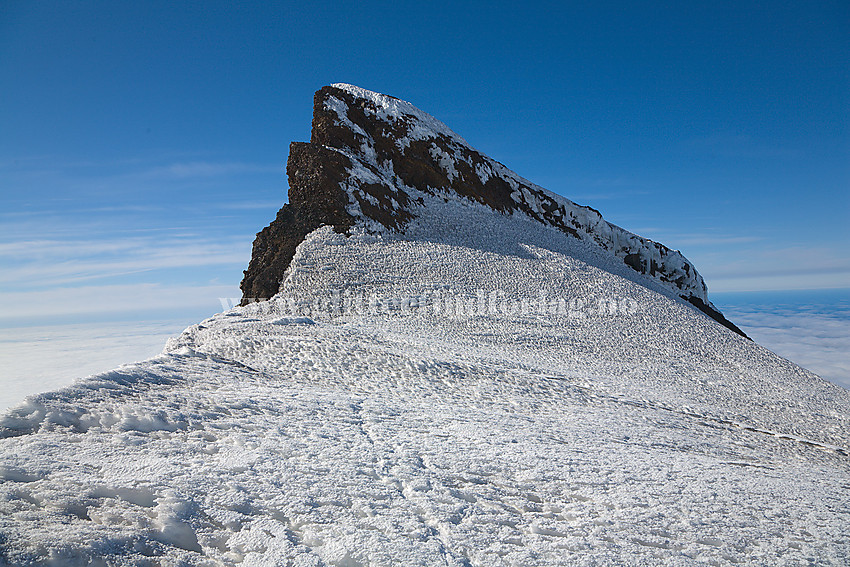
<point x="142" y="144"/>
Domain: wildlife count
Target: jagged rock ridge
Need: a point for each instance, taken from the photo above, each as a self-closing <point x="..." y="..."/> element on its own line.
<point x="372" y="157"/>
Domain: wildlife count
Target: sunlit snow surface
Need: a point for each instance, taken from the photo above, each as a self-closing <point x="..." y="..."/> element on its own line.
<point x="629" y="429"/>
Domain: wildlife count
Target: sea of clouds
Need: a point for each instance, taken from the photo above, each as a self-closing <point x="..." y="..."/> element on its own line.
<point x="812" y="330"/>
<point x="38" y="359"/>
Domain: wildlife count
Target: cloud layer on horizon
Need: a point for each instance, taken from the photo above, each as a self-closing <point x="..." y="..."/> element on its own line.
<point x="38" y="359"/>
<point x="816" y="337"/>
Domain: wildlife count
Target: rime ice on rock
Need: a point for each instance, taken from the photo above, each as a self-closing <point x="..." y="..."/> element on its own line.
<point x="372" y="159"/>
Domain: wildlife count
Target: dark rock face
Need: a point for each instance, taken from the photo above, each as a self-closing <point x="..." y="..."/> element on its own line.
<point x="372" y="158"/>
<point x="315" y="174"/>
<point x="715" y="314"/>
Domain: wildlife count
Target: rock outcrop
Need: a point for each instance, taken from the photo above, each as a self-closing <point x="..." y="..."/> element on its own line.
<point x="371" y="159"/>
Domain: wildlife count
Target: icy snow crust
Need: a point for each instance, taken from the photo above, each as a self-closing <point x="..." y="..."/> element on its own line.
<point x="662" y="265"/>
<point x="290" y="433"/>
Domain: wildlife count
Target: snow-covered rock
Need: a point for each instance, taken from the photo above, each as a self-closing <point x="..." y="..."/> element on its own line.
<point x="373" y="158"/>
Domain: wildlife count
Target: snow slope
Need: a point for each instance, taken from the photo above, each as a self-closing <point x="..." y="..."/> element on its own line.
<point x="384" y="410"/>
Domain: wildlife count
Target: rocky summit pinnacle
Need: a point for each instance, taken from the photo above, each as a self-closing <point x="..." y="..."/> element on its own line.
<point x="372" y="158"/>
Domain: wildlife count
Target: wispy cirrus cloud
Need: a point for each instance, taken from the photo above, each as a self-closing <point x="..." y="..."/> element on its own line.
<point x="48" y="263"/>
<point x="102" y="300"/>
<point x="206" y="169"/>
<point x="49" y="209"/>
<point x="785" y="268"/>
<point x="121" y="183"/>
<point x="272" y="206"/>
